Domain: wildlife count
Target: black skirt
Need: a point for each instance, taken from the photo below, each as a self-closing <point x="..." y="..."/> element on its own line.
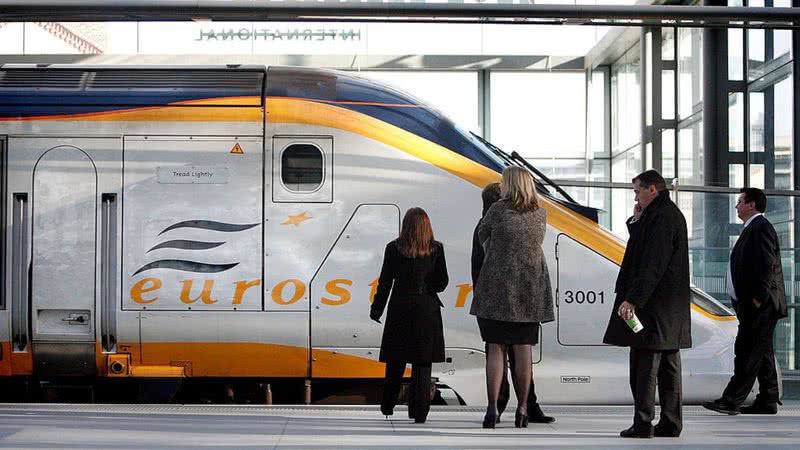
<point x="509" y="333"/>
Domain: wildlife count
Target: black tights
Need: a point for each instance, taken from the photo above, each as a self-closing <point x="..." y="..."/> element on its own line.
<point x="495" y="367"/>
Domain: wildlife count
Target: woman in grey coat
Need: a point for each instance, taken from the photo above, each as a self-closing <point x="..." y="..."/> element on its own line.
<point x="513" y="293"/>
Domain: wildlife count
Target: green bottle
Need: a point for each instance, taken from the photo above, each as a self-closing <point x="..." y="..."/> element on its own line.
<point x="635" y="324"/>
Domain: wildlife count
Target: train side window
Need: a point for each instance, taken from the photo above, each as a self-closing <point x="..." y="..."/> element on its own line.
<point x="302" y="167"/>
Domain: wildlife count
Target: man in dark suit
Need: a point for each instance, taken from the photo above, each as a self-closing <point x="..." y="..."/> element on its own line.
<point x="653" y="284"/>
<point x="755" y="284"/>
<point x="490" y="195"/>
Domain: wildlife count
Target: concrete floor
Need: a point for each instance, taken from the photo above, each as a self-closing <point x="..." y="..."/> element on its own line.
<point x="296" y="427"/>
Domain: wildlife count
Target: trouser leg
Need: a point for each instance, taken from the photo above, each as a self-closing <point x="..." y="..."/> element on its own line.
<point x="420" y="391"/>
<point x="753" y="343"/>
<point x="412" y="389"/>
<point x="391" y="386"/>
<point x="742" y="349"/>
<point x="644" y="370"/>
<point x="670" y="392"/>
<point x="768" y="390"/>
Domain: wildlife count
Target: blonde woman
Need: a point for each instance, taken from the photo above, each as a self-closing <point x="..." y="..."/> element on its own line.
<point x="513" y="294"/>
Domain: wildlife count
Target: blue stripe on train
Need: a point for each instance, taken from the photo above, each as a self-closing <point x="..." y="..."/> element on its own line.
<point x="54" y="111"/>
<point x="110" y="100"/>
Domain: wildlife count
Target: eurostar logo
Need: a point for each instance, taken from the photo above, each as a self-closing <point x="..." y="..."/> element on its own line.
<point x="297" y="219"/>
<point x="193" y="245"/>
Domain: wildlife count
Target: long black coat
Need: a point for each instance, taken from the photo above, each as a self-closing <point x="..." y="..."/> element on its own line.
<point x="756" y="267"/>
<point x="413" y="331"/>
<point x="654" y="276"/>
<point x="477" y="255"/>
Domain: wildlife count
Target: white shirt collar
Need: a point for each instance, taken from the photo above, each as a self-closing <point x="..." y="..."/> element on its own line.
<point x="751" y="219"/>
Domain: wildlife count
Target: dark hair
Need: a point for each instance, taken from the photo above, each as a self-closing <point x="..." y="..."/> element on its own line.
<point x="490" y="195"/>
<point x="416" y="235"/>
<point x="651" y="178"/>
<point x="756" y="195"/>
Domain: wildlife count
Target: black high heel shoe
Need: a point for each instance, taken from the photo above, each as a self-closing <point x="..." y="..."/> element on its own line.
<point x="520" y="420"/>
<point x="489" y="420"/>
<point x="386" y="411"/>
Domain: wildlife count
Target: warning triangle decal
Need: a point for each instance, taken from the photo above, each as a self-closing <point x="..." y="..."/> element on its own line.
<point x="237" y="149"/>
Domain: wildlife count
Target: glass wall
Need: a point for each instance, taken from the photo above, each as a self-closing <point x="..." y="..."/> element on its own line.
<point x="760" y="136"/>
<point x="626" y="133"/>
<point x="690" y="107"/>
<point x="762" y="154"/>
<point x="553" y="138"/>
<point x="626" y="98"/>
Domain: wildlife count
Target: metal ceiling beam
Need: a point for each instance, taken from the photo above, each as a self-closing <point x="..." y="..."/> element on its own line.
<point x="265" y="10"/>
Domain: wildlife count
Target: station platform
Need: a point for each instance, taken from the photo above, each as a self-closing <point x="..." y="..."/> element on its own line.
<point x="345" y="427"/>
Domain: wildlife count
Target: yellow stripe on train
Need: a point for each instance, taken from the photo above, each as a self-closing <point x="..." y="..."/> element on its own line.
<point x="292" y="110"/>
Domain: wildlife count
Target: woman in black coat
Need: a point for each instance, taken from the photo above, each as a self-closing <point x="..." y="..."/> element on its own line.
<point x="414" y="271"/>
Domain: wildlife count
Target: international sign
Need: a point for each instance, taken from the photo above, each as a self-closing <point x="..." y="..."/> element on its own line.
<point x="276" y="34"/>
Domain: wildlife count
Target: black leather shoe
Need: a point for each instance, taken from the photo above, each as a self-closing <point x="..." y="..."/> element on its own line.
<point x="664" y="432"/>
<point x="632" y="432"/>
<point x="760" y="408"/>
<point x="721" y="406"/>
<point x="489" y="420"/>
<point x="520" y="420"/>
<point x="387" y="411"/>
<point x="536" y="415"/>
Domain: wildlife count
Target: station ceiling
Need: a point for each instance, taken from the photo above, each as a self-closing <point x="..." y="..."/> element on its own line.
<point x="370" y="11"/>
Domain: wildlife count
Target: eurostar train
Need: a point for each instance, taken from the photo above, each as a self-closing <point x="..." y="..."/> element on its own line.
<point x="229" y="222"/>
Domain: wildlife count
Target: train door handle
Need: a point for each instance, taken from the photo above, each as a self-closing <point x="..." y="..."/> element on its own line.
<point x="108" y="271"/>
<point x="76" y="319"/>
<point x="20" y="271"/>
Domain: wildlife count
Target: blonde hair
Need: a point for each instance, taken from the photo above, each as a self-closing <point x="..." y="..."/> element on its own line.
<point x="519" y="189"/>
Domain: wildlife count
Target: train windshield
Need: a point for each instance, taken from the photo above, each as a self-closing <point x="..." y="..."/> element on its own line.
<point x="542" y="181"/>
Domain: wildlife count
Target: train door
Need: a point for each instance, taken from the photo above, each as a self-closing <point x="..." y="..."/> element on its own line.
<point x="192" y="249"/>
<point x="584" y="292"/>
<point x="63" y="193"/>
<point x="302" y="225"/>
<point x="343" y="339"/>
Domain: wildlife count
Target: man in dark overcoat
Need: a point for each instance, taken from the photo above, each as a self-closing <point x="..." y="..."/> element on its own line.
<point x="653" y="284"/>
<point x="755" y="284"/>
<point x="490" y="195"/>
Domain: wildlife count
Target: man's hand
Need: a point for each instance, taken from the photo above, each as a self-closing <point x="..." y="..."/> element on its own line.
<point x="637" y="211"/>
<point x="757" y="303"/>
<point x="625" y="310"/>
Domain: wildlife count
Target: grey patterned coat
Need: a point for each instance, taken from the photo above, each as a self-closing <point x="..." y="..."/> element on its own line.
<point x="514" y="283"/>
